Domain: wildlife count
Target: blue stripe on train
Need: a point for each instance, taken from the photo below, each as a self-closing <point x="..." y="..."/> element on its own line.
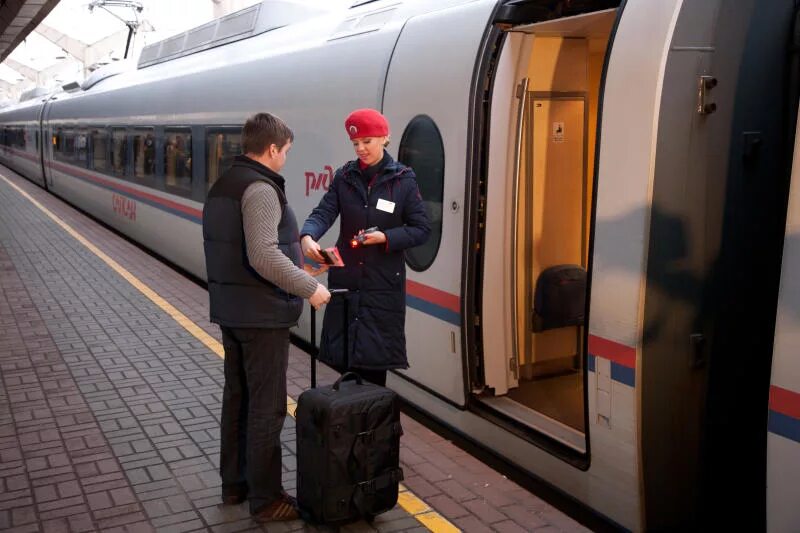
<point x="434" y="310"/>
<point x="784" y="425"/>
<point x="619" y="373"/>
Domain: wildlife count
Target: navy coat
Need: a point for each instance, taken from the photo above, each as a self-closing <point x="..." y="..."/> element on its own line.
<point x="375" y="274"/>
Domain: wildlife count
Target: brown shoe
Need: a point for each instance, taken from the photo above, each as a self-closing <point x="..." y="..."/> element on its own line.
<point x="282" y="509"/>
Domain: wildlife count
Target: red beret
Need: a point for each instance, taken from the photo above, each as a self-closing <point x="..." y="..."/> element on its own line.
<point x="366" y="123"/>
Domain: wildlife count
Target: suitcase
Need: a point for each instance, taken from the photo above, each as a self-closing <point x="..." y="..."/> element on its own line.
<point x="348" y="448"/>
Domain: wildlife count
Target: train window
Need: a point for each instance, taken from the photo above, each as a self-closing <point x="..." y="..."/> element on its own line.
<point x="119" y="151"/>
<point x="100" y="150"/>
<point x="178" y="161"/>
<point x="222" y="146"/>
<point x="69" y="144"/>
<point x="18" y="137"/>
<point x="57" y="142"/>
<point x="66" y="146"/>
<point x="81" y="147"/>
<point x="144" y="156"/>
<point x="422" y="149"/>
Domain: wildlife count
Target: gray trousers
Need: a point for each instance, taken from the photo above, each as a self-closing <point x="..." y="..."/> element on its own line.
<point x="253" y="411"/>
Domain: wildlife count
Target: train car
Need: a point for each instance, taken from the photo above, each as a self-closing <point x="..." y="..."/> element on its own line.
<point x="21" y="140"/>
<point x="607" y="182"/>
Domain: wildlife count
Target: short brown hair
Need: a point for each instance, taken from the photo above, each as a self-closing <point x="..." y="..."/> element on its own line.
<point x="262" y="130"/>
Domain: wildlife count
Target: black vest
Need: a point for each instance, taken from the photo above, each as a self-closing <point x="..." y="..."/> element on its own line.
<point x="240" y="297"/>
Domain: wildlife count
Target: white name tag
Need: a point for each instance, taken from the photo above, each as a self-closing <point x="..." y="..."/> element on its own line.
<point x="385" y="205"/>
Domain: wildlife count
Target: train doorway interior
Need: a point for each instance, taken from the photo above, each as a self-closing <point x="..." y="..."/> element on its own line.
<point x="539" y="198"/>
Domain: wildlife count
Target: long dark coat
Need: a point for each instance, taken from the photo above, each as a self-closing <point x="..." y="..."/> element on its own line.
<point x="375" y="274"/>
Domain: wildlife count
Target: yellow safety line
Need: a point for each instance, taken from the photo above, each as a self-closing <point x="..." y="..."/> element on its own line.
<point x="410" y="503"/>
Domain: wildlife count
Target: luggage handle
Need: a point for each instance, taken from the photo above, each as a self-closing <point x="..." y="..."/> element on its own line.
<point x="345" y="377"/>
<point x="334" y="292"/>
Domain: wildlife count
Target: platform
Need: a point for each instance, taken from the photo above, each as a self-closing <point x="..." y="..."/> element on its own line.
<point x="111" y="392"/>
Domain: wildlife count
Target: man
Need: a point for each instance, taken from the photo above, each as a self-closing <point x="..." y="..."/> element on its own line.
<point x="256" y="284"/>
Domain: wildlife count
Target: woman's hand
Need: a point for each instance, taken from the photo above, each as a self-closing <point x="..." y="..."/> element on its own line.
<point x="315" y="271"/>
<point x="311" y="249"/>
<point x="374" y="237"/>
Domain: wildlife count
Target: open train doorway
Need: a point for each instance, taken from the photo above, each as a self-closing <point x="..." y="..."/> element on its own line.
<point x="539" y="190"/>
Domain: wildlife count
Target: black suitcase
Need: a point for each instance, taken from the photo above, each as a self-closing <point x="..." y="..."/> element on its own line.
<point x="348" y="448"/>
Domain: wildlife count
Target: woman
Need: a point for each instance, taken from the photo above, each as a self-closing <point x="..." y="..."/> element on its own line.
<point x="372" y="191"/>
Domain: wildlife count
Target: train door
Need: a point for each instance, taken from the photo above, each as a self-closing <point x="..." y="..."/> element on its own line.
<point x="539" y="195"/>
<point x="426" y="100"/>
<point x="46" y="145"/>
<point x="783" y="429"/>
<point x="716" y="226"/>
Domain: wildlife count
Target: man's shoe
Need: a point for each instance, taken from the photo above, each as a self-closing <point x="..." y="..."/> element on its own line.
<point x="233" y="499"/>
<point x="282" y="509"/>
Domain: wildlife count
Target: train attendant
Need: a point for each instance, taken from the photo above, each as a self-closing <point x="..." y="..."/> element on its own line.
<point x="256" y="284"/>
<point x="373" y="191"/>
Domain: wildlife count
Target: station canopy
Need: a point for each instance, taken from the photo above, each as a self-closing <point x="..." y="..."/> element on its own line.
<point x="18" y="18"/>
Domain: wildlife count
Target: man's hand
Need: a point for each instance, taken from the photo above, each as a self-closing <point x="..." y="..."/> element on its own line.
<point x="320" y="297"/>
<point x="374" y="237"/>
<point x="311" y="249"/>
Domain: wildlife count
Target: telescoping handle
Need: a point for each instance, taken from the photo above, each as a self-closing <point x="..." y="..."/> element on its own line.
<point x="334" y="292"/>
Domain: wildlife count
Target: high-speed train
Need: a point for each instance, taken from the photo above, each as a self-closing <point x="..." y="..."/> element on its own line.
<point x="610" y="299"/>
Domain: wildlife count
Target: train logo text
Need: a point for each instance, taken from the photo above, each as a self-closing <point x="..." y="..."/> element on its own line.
<point x="323" y="180"/>
<point x="124" y="206"/>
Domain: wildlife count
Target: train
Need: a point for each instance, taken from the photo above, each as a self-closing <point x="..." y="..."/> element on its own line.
<point x="643" y="152"/>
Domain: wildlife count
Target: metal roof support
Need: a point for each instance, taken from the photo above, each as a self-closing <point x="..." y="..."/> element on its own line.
<point x="13" y="91"/>
<point x="73" y="47"/>
<point x="24" y="70"/>
<point x="99" y="49"/>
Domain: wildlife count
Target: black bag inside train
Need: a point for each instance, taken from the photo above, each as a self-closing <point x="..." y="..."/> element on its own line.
<point x="560" y="297"/>
<point x="348" y="451"/>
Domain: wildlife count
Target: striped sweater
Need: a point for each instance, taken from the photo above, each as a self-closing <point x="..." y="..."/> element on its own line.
<point x="261" y="214"/>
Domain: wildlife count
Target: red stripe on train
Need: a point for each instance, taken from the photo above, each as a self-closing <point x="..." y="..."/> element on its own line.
<point x="129" y="190"/>
<point x="24" y="154"/>
<point x="434" y="296"/>
<point x="614" y="351"/>
<point x="784" y="401"/>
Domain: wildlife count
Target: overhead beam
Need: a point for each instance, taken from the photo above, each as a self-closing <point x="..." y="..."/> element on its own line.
<point x="30" y="73"/>
<point x="73" y="47"/>
<point x="99" y="49"/>
<point x="12" y="91"/>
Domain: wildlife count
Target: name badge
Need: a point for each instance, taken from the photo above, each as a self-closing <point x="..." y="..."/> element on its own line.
<point x="385" y="205"/>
